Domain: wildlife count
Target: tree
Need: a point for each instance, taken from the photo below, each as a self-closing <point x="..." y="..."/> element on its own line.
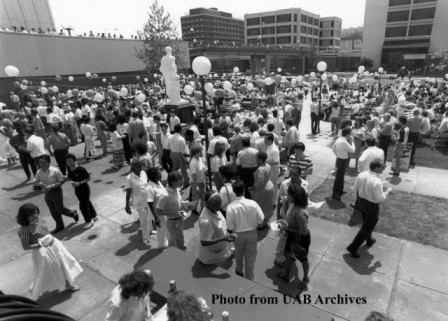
<point x="366" y="62"/>
<point x="158" y="32"/>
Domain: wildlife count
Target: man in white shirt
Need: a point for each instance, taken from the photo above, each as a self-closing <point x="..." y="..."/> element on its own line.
<point x="243" y="217"/>
<point x="369" y="191"/>
<point x="165" y="136"/>
<point x="426" y="124"/>
<point x="369" y="154"/>
<point x="217" y="137"/>
<point x="274" y="161"/>
<point x="341" y="148"/>
<point x="174" y="120"/>
<point x="35" y="145"/>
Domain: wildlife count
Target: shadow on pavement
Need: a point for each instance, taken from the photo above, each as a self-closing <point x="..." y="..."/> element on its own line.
<point x="25" y="196"/>
<point x="362" y="265"/>
<point x="148" y="256"/>
<point x="71" y="231"/>
<point x="394" y="180"/>
<point x="130" y="228"/>
<point x="17" y="186"/>
<point x="333" y="204"/>
<point x="291" y="288"/>
<point x="200" y="270"/>
<point x="53" y="298"/>
<point x="110" y="171"/>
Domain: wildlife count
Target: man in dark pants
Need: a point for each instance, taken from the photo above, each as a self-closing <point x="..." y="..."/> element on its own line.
<point x="79" y="177"/>
<point x="341" y="148"/>
<point x="18" y="141"/>
<point x="60" y="144"/>
<point x="370" y="193"/>
<point x="165" y="135"/>
<point x="247" y="165"/>
<point x="50" y="179"/>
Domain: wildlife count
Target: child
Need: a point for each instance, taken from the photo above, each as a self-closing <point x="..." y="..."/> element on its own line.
<point x="117" y="145"/>
<point x="197" y="170"/>
<point x="298" y="159"/>
<point x="219" y="159"/>
<point x="88" y="131"/>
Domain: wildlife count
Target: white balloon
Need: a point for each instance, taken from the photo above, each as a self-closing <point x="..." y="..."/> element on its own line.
<point x="380" y="70"/>
<point x="284" y="79"/>
<point x="215" y="75"/>
<point x="88" y="74"/>
<point x="361" y="69"/>
<point x="300" y="78"/>
<point x="55" y="89"/>
<point x="401" y="99"/>
<point x="227" y="85"/>
<point x="250" y="86"/>
<point x="12" y="71"/>
<point x="44" y="90"/>
<point x="43" y="83"/>
<point x="71" y="78"/>
<point x="236" y="70"/>
<point x="188" y="89"/>
<point x="322" y="66"/>
<point x="446" y="76"/>
<point x="324" y="77"/>
<point x="23" y="87"/>
<point x="279" y="69"/>
<point x="69" y="93"/>
<point x="312" y="74"/>
<point x="140" y="97"/>
<point x="123" y="91"/>
<point x="155" y="75"/>
<point x="145" y="79"/>
<point x="268" y="81"/>
<point x="334" y="77"/>
<point x="104" y="80"/>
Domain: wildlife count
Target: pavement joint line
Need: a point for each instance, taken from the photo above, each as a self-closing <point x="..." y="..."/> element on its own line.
<point x="395" y="285"/>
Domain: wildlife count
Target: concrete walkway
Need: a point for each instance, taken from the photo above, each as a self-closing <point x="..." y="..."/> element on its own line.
<point x="404" y="279"/>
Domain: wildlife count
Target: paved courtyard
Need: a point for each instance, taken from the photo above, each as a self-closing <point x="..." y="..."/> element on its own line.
<point x="406" y="280"/>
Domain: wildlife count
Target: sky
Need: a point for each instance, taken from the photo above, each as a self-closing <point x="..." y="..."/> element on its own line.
<point x="127" y="16"/>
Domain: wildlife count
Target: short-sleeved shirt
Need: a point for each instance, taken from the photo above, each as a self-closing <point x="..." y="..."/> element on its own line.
<point x="51" y="176"/>
<point x="34" y="231"/>
<point x="171" y="202"/>
<point x="139" y="191"/>
<point x="247" y="157"/>
<point x="155" y="190"/>
<point x="77" y="175"/>
<point x="305" y="164"/>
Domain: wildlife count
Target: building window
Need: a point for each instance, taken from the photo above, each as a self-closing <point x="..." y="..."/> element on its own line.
<point x="303" y="39"/>
<point x="426" y="13"/>
<point x="393" y="3"/>
<point x="421" y="30"/>
<point x="268" y="19"/>
<point x="283" y="40"/>
<point x="316" y="22"/>
<point x="295" y="17"/>
<point x="321" y="24"/>
<point x="310" y="20"/>
<point x="268" y="30"/>
<point x="253" y="32"/>
<point x="422" y="1"/>
<point x="302" y="29"/>
<point x="303" y="18"/>
<point x="253" y="21"/>
<point x="396" y="32"/>
<point x="325" y="24"/>
<point x="295" y="28"/>
<point x="332" y="23"/>
<point x="284" y="18"/>
<point x="284" y="29"/>
<point x="398" y="16"/>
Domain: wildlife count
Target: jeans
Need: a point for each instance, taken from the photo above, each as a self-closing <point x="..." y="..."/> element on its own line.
<point x="176" y="233"/>
<point x="314" y="123"/>
<point x="26" y="161"/>
<point x="85" y="205"/>
<point x="246" y="252"/>
<point x="55" y="203"/>
<point x="369" y="212"/>
<point x="338" y="186"/>
<point x="59" y="155"/>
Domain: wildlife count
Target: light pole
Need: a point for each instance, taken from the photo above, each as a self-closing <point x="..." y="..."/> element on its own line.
<point x="201" y="66"/>
<point x="321" y="67"/>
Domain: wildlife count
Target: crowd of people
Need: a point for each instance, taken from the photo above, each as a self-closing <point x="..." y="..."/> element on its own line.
<point x="254" y="166"/>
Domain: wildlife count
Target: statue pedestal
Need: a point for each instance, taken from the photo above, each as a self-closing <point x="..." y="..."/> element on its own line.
<point x="183" y="110"/>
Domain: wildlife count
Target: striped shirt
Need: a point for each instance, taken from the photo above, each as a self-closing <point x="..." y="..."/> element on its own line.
<point x="34" y="231"/>
<point x="305" y="164"/>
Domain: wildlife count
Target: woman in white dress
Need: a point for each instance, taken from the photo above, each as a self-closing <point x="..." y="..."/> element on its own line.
<point x="130" y="298"/>
<point x="155" y="190"/>
<point x="54" y="266"/>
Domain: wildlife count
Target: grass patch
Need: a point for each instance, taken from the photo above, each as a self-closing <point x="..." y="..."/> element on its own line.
<point x="413" y="217"/>
<point x="427" y="157"/>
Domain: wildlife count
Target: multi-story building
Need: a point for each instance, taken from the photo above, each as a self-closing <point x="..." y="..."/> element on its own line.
<point x="287" y="27"/>
<point x="351" y="40"/>
<point x="204" y="25"/>
<point x="330" y="33"/>
<point x="404" y="32"/>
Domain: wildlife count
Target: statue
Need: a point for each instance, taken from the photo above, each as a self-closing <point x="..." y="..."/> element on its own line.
<point x="169" y="72"/>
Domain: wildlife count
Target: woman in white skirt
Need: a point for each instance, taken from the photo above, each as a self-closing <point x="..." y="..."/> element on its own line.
<point x="155" y="190"/>
<point x="54" y="267"/>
